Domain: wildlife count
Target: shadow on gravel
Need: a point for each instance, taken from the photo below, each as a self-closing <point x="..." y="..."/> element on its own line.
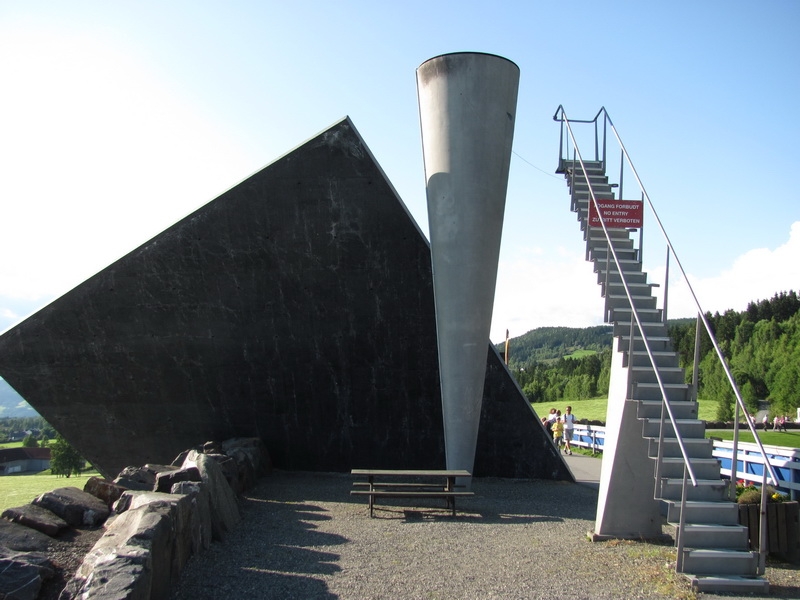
<point x="280" y="551"/>
<point x="282" y="560"/>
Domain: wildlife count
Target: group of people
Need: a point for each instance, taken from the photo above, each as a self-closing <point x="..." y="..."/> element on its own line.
<point x="778" y="423"/>
<point x="561" y="428"/>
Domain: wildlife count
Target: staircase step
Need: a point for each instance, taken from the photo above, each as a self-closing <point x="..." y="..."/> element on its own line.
<point x="622" y="314"/>
<point x="704" y="512"/>
<point x="651" y="409"/>
<point x="731" y="583"/>
<point x="733" y="537"/>
<point x="642" y="301"/>
<point x="619" y="243"/>
<point x="646" y="374"/>
<point x="651" y="328"/>
<point x="676" y="392"/>
<point x="628" y="266"/>
<point x="663" y="359"/>
<point x="695" y="448"/>
<point x="601" y="253"/>
<point x="689" y="428"/>
<point x="708" y="490"/>
<point x="705" y="468"/>
<point x="657" y="343"/>
<point x="720" y="562"/>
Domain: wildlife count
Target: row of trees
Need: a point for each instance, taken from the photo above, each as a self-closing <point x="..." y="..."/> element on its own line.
<point x="762" y="348"/>
<point x="571" y="378"/>
<point x="761" y="344"/>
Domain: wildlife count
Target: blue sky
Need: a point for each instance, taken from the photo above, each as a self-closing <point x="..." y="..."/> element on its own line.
<point x="117" y="119"/>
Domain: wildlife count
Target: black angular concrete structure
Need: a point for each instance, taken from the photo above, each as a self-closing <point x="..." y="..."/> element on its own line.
<point x="296" y="307"/>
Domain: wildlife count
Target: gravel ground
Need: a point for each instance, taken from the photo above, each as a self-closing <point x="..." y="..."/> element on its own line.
<point x="303" y="536"/>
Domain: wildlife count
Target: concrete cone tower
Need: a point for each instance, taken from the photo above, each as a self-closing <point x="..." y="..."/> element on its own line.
<point x="467" y="104"/>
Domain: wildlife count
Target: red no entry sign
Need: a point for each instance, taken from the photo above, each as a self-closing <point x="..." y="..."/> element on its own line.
<point x="617" y="214"/>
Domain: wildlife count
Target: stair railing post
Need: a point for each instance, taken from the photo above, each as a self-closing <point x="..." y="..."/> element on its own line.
<point x="621" y="173"/>
<point x="696" y="365"/>
<point x="735" y="451"/>
<point x="666" y="287"/>
<point x="681" y="524"/>
<point x="762" y="537"/>
<point x="660" y="455"/>
<point x="608" y="265"/>
<point x="641" y="236"/>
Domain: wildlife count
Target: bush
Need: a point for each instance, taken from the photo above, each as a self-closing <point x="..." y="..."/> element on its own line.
<point x="752" y="495"/>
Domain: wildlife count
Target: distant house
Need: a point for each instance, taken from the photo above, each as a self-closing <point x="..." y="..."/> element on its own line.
<point x="24" y="460"/>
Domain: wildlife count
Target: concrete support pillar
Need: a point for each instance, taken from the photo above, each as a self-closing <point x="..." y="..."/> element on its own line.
<point x="467" y="104"/>
<point x="625" y="505"/>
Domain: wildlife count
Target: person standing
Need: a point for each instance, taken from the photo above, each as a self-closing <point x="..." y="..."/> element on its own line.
<point x="558" y="433"/>
<point x="569" y="427"/>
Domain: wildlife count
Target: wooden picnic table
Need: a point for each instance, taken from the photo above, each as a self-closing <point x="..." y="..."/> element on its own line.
<point x="410" y="483"/>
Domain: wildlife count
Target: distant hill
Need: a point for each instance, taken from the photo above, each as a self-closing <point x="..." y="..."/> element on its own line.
<point x="547" y="344"/>
<point x="12" y="404"/>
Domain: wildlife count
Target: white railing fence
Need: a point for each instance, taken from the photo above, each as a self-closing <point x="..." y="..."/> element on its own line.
<point x="749" y="465"/>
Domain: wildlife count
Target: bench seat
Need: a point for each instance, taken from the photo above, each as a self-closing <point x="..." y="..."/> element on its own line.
<point x="449" y="496"/>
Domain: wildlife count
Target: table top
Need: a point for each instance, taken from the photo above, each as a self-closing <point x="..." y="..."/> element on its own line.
<point x="412" y="472"/>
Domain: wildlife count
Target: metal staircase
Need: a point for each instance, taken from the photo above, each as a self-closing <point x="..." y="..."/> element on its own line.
<point x="713" y="549"/>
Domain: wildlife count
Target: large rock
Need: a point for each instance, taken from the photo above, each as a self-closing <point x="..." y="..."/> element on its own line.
<point x="142" y="552"/>
<point x="165" y="480"/>
<point x="36" y="517"/>
<point x="21" y="538"/>
<point x="254" y="448"/>
<point x="112" y="574"/>
<point x="75" y="506"/>
<point x="224" y="507"/>
<point x="22" y="574"/>
<point x="141" y="478"/>
<point x="201" y="513"/>
<point x="108" y="491"/>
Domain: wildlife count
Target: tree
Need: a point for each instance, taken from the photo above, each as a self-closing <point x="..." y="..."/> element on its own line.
<point x="64" y="459"/>
<point x="29" y="442"/>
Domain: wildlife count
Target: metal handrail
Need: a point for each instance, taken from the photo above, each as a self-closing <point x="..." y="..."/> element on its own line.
<point x="560" y="115"/>
<point x="628" y="294"/>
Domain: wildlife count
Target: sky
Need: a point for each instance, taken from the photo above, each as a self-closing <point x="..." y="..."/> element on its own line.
<point x="119" y="118"/>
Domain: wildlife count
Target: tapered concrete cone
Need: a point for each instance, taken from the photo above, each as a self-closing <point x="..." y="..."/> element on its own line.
<point x="467" y="104"/>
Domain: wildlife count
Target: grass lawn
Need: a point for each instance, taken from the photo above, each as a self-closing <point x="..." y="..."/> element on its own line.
<point x="790" y="438"/>
<point x="16" y="490"/>
<point x="595" y="409"/>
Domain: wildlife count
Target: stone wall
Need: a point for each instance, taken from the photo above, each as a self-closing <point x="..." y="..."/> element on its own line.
<point x="154" y="518"/>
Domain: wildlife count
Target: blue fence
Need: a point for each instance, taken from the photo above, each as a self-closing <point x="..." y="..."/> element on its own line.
<point x="749" y="464"/>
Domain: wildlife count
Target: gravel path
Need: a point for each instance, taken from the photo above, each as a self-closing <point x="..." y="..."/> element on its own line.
<point x="303" y="536"/>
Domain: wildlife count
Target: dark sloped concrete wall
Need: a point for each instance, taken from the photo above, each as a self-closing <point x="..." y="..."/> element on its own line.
<point x="296" y="307"/>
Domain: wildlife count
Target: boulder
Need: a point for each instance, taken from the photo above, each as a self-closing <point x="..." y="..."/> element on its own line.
<point x="141" y="478"/>
<point x="22" y="574"/>
<point x="180" y="458"/>
<point x="211" y="448"/>
<point x="165" y="480"/>
<point x="142" y="552"/>
<point x="228" y="468"/>
<point x="112" y="573"/>
<point x="75" y="506"/>
<point x="224" y="507"/>
<point x="201" y="513"/>
<point x="255" y="449"/>
<point x="23" y="539"/>
<point x="107" y="491"/>
<point x="36" y="517"/>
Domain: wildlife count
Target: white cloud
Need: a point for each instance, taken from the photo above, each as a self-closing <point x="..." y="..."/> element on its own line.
<point x="545" y="288"/>
<point x="756" y="275"/>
